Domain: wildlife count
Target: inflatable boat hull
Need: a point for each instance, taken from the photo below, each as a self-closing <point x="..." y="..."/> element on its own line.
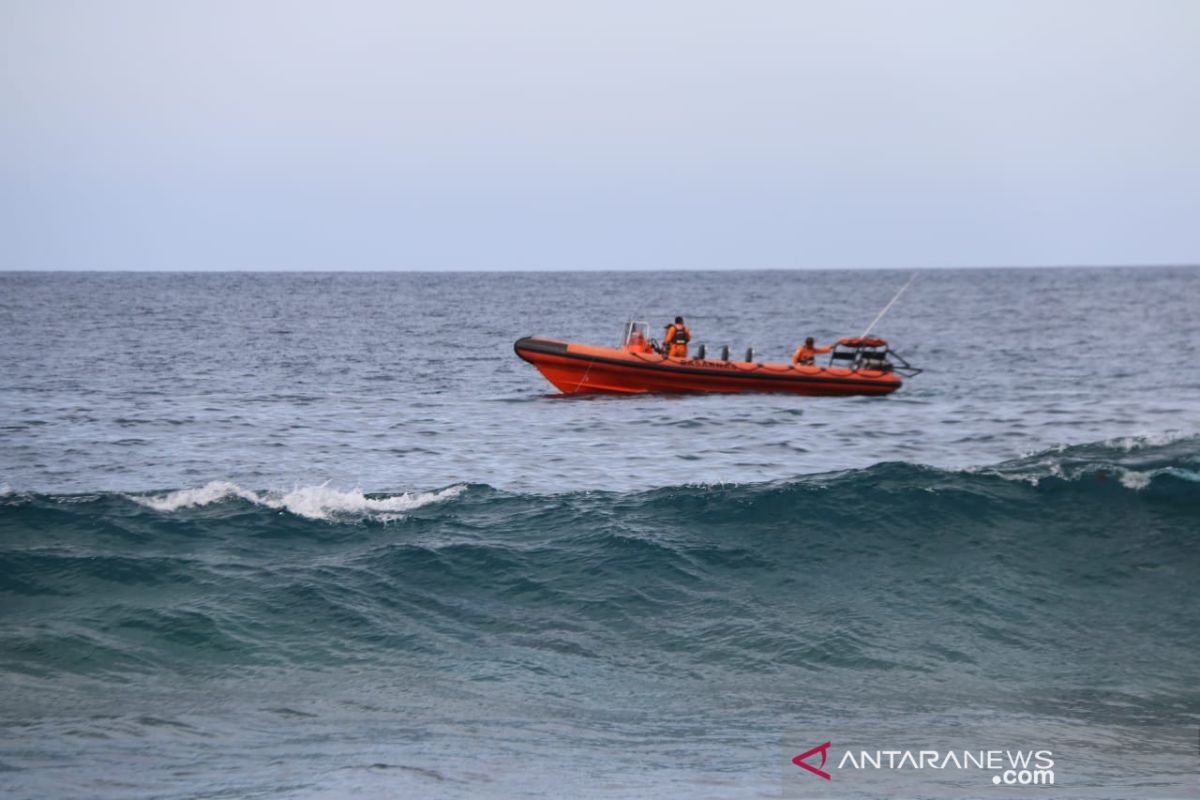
<point x="583" y="369"/>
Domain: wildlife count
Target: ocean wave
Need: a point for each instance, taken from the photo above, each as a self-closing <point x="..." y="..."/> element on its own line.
<point x="1133" y="461"/>
<point x="312" y="502"/>
<point x="758" y="577"/>
<point x="1136" y="464"/>
<point x="1132" y="443"/>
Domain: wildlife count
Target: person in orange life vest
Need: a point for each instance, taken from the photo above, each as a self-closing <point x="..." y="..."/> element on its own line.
<point x="804" y="353"/>
<point x="677" y="339"/>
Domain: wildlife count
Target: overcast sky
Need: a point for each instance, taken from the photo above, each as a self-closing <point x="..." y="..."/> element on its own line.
<point x="601" y="135"/>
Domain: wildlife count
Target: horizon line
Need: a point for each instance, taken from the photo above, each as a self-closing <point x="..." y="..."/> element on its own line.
<point x="476" y="271"/>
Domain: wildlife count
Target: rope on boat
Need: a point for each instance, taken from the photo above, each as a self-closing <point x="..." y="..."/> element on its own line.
<point x="888" y="307"/>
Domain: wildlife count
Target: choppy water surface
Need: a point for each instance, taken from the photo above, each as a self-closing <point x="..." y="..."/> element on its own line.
<point x="398" y="382"/>
<point x="324" y="535"/>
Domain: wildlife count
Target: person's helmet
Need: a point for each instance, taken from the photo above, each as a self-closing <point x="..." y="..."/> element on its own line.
<point x="809" y="340"/>
<point x="679" y="320"/>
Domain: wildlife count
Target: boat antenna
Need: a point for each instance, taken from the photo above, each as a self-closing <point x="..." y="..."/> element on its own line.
<point x="888" y="307"/>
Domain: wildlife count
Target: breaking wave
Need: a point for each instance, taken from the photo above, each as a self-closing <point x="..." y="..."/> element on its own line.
<point x="983" y="568"/>
<point x="1133" y="461"/>
<point x="313" y="502"/>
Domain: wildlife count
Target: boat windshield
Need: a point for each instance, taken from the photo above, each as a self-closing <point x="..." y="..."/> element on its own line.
<point x="636" y="334"/>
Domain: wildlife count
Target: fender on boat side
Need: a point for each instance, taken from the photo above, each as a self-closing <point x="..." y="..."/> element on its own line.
<point x="533" y="344"/>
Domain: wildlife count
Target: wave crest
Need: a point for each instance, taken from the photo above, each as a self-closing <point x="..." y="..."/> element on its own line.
<point x="311" y="502"/>
<point x="1134" y="461"/>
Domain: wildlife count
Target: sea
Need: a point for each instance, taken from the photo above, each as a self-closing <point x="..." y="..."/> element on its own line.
<point x="323" y="535"/>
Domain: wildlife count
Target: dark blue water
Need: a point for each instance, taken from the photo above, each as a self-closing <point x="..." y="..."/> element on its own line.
<point x="324" y="536"/>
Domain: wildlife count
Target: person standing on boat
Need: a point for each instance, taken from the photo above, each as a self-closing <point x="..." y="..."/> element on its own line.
<point x="805" y="354"/>
<point x="677" y="339"/>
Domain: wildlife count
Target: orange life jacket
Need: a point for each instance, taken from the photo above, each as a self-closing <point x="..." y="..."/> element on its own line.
<point x="804" y="353"/>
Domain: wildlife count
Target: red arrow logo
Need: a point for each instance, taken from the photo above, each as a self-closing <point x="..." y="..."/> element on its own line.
<point x="823" y="750"/>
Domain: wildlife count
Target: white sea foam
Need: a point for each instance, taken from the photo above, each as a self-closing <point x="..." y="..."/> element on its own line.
<point x="1131" y="443"/>
<point x="1132" y="479"/>
<point x="312" y="502"/>
<point x="211" y="492"/>
<point x="1129" y="478"/>
<point x="322" y="502"/>
<point x="1032" y="468"/>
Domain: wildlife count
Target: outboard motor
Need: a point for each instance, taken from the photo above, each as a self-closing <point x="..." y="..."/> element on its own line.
<point x="725" y="353"/>
<point x="749" y="353"/>
<point x="701" y="350"/>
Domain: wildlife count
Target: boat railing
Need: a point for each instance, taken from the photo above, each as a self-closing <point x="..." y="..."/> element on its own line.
<point x="872" y="355"/>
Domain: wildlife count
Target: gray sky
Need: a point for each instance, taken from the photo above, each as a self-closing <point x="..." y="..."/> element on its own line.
<point x="619" y="135"/>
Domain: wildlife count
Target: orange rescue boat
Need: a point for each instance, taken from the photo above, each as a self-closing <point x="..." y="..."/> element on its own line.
<point x="856" y="366"/>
